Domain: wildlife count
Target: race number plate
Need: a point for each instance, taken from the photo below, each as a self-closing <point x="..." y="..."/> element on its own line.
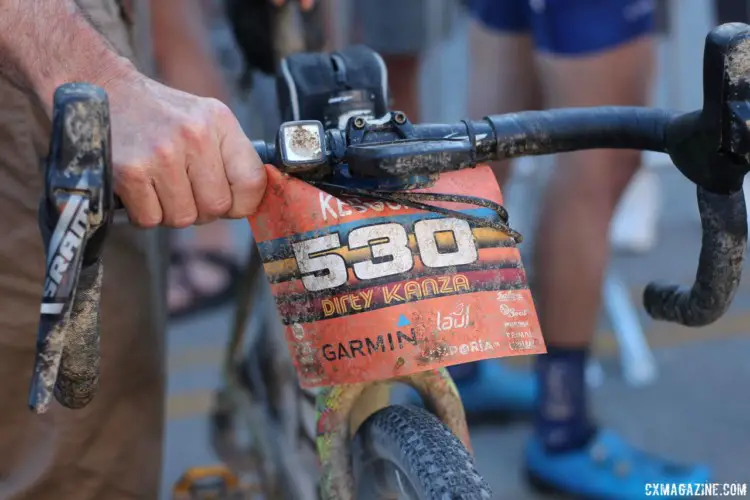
<point x="369" y="290"/>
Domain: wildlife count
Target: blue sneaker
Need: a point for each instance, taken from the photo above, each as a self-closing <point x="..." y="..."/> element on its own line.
<point x="494" y="392"/>
<point x="607" y="469"/>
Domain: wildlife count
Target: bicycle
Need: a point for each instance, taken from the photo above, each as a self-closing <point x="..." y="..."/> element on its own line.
<point x="397" y="449"/>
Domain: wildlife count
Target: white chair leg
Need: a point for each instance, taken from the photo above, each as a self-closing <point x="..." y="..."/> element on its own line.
<point x="594" y="373"/>
<point x="636" y="358"/>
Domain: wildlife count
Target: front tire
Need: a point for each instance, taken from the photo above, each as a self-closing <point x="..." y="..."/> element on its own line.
<point x="405" y="452"/>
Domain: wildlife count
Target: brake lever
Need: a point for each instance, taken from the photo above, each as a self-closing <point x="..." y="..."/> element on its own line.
<point x="711" y="147"/>
<point x="74" y="215"/>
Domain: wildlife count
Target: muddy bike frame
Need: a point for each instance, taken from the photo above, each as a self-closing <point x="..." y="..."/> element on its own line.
<point x="711" y="147"/>
<point x="262" y="392"/>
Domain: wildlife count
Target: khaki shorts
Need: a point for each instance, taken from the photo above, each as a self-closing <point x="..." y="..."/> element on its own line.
<point x="110" y="450"/>
<point x="401" y="27"/>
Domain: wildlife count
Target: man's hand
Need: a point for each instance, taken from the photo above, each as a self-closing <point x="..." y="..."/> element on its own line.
<point x="179" y="159"/>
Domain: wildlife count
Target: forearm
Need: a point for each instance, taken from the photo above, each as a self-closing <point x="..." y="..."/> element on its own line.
<point x="45" y="43"/>
<point x="182" y="49"/>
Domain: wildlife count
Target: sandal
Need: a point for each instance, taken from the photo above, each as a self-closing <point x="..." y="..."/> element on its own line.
<point x="201" y="298"/>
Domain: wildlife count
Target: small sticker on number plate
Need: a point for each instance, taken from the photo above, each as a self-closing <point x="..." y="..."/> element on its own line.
<point x="371" y="290"/>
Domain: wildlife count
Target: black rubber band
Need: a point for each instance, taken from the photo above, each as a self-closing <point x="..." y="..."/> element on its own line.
<point x="471" y="133"/>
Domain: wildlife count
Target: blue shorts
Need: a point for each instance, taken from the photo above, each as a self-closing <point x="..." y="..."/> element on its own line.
<point x="569" y="27"/>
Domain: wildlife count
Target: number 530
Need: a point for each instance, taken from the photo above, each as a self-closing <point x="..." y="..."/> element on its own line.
<point x="389" y="245"/>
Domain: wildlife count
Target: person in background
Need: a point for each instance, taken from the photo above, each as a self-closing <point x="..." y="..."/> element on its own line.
<point x="204" y="269"/>
<point x="401" y="32"/>
<point x="528" y="54"/>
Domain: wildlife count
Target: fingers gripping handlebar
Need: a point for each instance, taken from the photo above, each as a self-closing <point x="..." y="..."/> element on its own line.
<point x="711" y="147"/>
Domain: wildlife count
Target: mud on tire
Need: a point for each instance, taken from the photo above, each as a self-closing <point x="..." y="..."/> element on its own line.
<point x="406" y="452"/>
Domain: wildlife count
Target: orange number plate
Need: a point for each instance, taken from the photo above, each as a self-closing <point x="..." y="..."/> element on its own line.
<point x="371" y="290"/>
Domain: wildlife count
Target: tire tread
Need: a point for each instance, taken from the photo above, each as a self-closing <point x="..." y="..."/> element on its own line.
<point x="417" y="442"/>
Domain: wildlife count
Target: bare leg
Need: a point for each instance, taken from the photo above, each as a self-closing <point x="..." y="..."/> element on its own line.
<point x="572" y="250"/>
<point x="572" y="246"/>
<point x="403" y="79"/>
<point x="196" y="276"/>
<point x="503" y="78"/>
